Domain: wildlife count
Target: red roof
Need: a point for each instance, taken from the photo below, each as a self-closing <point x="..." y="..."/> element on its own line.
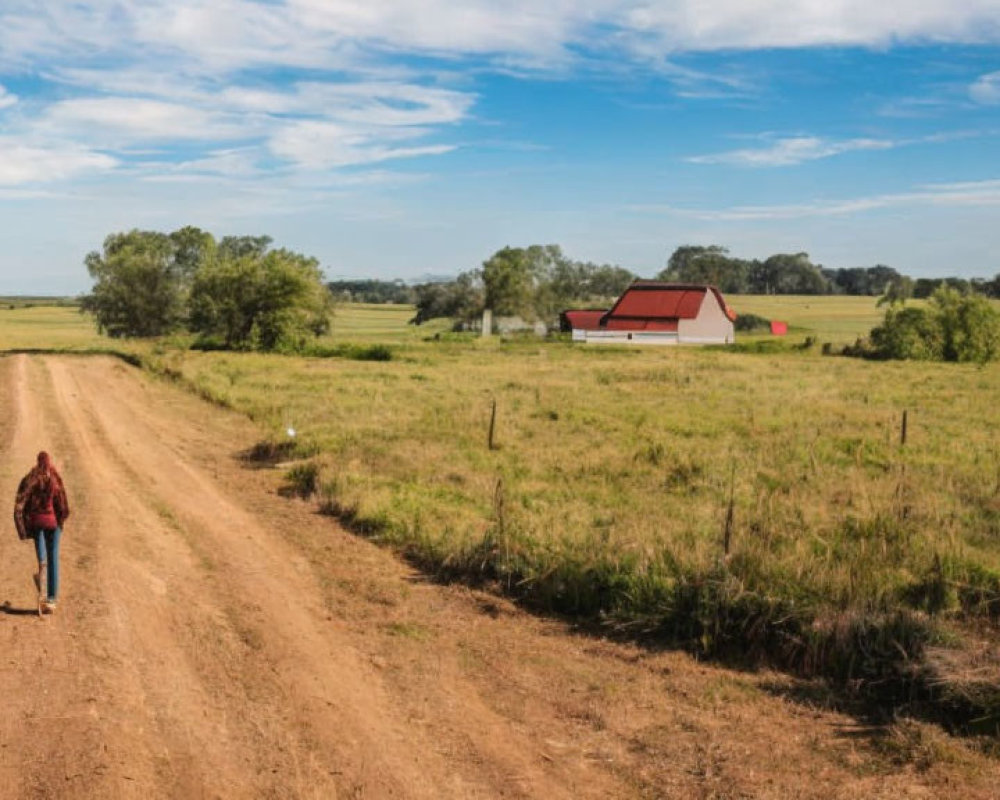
<point x="584" y="320"/>
<point x="656" y="300"/>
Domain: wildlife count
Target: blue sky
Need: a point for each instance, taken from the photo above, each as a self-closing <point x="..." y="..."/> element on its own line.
<point x="402" y="138"/>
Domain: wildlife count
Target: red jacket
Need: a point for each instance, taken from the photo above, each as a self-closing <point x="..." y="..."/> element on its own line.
<point x="41" y="502"/>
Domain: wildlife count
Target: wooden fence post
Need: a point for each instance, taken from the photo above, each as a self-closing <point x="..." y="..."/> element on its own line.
<point x="493" y="422"/>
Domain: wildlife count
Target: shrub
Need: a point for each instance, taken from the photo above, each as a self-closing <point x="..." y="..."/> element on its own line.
<point x="303" y="479"/>
<point x="751" y="322"/>
<point x="954" y="327"/>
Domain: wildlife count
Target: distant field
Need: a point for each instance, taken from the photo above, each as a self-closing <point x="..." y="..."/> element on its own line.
<point x="29" y="326"/>
<point x="610" y="483"/>
<point x="838" y="320"/>
<point x="371" y="322"/>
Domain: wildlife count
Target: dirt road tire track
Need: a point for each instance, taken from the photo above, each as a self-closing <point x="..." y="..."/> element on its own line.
<point x="216" y="640"/>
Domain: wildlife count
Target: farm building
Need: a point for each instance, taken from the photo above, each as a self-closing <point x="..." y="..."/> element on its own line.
<point x="653" y="312"/>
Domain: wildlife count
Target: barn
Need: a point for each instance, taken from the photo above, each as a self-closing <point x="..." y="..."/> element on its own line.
<point x="654" y="312"/>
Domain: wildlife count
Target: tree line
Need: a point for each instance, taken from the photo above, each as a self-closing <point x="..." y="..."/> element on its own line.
<point x="794" y="273"/>
<point x="534" y="283"/>
<point x="236" y="292"/>
<point x="537" y="282"/>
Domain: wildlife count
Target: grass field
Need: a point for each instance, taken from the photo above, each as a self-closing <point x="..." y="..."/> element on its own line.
<point x="838" y="320"/>
<point x="754" y="503"/>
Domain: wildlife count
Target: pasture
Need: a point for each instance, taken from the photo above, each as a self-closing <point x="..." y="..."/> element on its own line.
<point x="755" y="503"/>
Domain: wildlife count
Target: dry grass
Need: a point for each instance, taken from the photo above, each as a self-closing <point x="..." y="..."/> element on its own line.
<point x="849" y="553"/>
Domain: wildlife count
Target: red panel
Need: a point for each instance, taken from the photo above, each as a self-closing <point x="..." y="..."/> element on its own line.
<point x="585" y="320"/>
<point x="662" y="325"/>
<point x="779" y="328"/>
<point x="626" y="324"/>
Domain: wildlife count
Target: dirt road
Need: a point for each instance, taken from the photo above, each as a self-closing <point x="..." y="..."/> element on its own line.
<point x="217" y="640"/>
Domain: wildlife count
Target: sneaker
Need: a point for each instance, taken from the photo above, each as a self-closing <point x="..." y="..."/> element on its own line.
<point x="49" y="607"/>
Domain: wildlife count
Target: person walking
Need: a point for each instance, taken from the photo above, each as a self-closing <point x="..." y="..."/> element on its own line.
<point x="40" y="511"/>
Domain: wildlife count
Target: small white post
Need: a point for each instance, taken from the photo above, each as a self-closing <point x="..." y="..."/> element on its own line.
<point x="487" y="322"/>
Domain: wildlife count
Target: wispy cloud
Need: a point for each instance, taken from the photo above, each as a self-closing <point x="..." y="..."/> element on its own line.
<point x="791" y="150"/>
<point x="970" y="193"/>
<point x="23" y="164"/>
<point x="693" y="25"/>
<point x="6" y="98"/>
<point x="986" y="90"/>
<point x="342" y="34"/>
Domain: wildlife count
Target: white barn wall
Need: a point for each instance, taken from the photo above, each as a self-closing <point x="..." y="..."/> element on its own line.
<point x="711" y="326"/>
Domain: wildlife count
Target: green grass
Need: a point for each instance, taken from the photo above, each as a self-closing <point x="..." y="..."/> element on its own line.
<point x="46" y="327"/>
<point x="608" y="490"/>
<point x="838" y="320"/>
<point x="373" y="323"/>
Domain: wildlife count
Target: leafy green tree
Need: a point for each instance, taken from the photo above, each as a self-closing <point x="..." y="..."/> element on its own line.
<point x="461" y="299"/>
<point x="240" y="246"/>
<point x="897" y="291"/>
<point x="253" y="300"/>
<point x="517" y="281"/>
<point x="908" y="333"/>
<point x="711" y="265"/>
<point x="139" y="287"/>
<point x="788" y="273"/>
<point x="605" y="281"/>
<point x="969" y="324"/>
<point x="192" y="248"/>
<point x="953" y="327"/>
<point x="870" y="281"/>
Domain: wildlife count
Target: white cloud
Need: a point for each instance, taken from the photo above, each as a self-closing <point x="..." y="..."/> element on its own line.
<point x="6" y="98"/>
<point x="343" y="34"/>
<point x="970" y="193"/>
<point x="720" y="24"/>
<point x="326" y="145"/>
<point x="986" y="90"/>
<point x="22" y="163"/>
<point x="791" y="150"/>
<point x="370" y="103"/>
<point x="128" y="120"/>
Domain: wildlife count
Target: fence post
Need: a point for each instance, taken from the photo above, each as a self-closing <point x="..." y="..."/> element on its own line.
<point x="493" y="422"/>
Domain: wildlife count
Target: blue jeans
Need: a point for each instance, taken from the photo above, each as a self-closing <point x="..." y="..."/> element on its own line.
<point x="47" y="543"/>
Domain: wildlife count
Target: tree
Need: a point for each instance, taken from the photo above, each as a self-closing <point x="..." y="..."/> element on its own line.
<point x="604" y="281"/>
<point x="788" y="273"/>
<point x="908" y="333"/>
<point x="239" y="246"/>
<point x="970" y="326"/>
<point x="192" y="248"/>
<point x="139" y="287"/>
<point x="897" y="291"/>
<point x="461" y="299"/>
<point x="517" y="281"/>
<point x="953" y="327"/>
<point x="711" y="265"/>
<point x="862" y="280"/>
<point x="260" y="300"/>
